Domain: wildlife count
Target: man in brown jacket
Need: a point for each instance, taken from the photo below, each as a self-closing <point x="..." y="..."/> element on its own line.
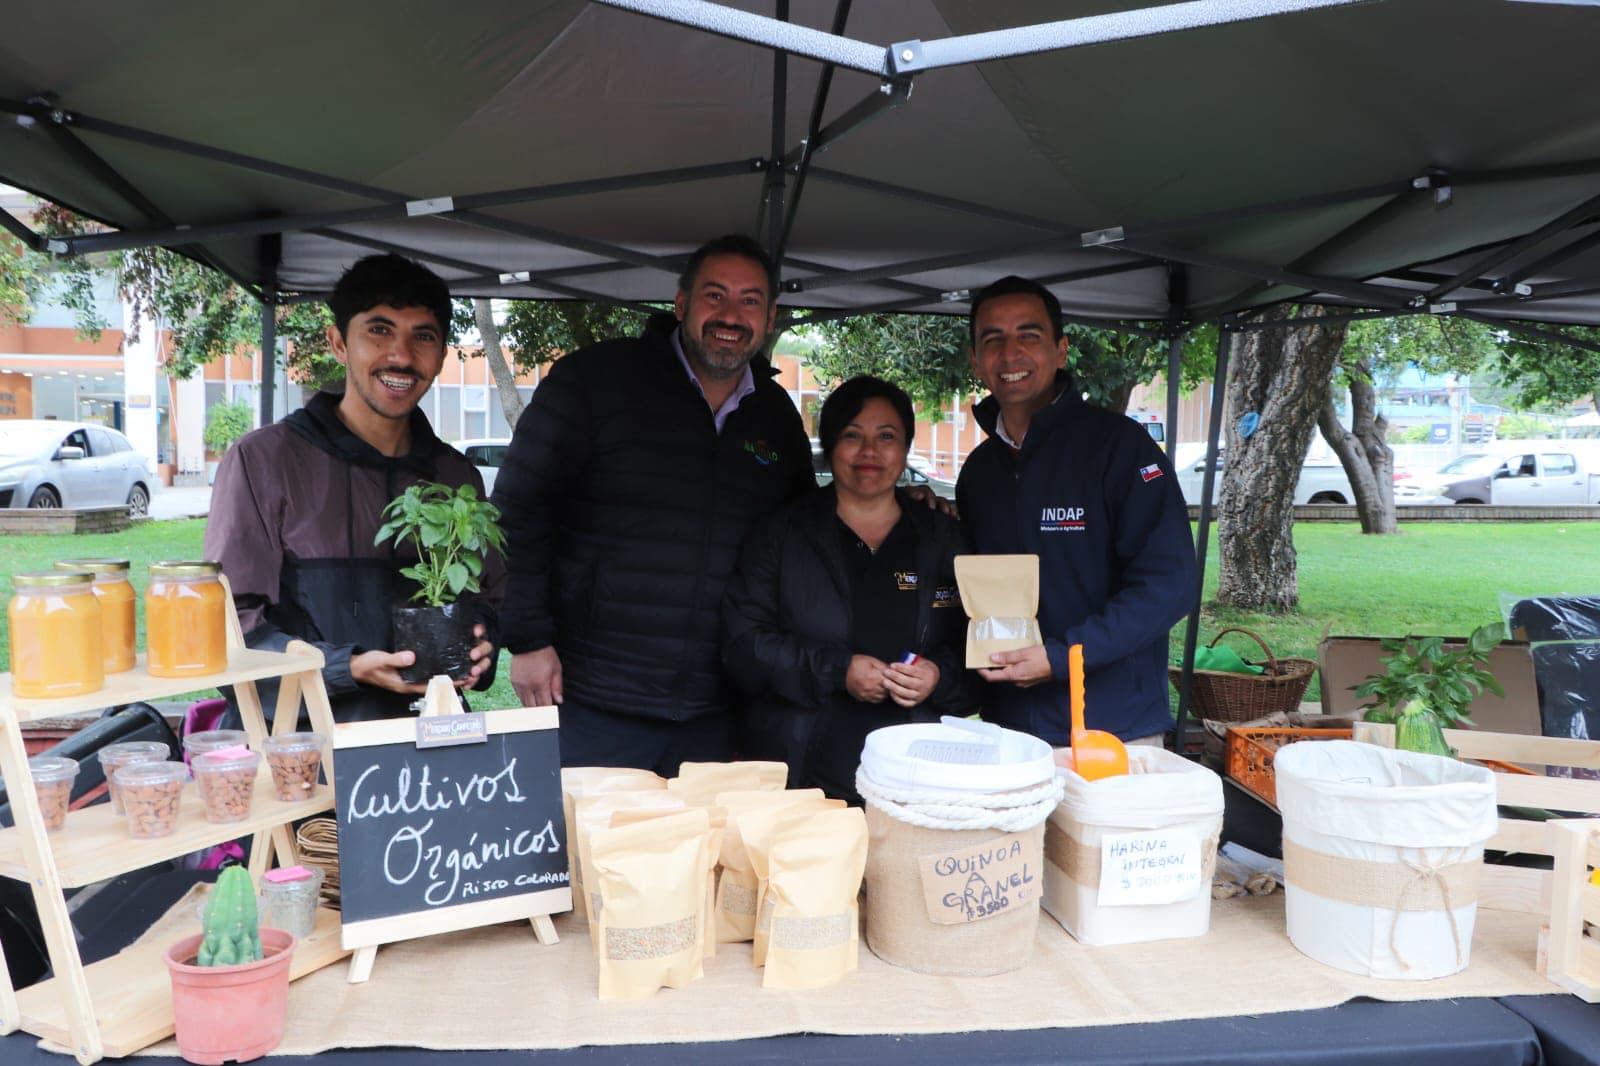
<point x="296" y="505"/>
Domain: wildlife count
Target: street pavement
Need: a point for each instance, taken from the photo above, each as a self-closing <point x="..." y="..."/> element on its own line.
<point x="190" y="502"/>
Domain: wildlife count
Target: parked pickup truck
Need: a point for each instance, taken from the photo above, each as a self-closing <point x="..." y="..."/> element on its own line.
<point x="1543" y="476"/>
<point x="1321" y="481"/>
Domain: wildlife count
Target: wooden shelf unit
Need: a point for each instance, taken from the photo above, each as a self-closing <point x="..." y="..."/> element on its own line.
<point x="124" y="1003"/>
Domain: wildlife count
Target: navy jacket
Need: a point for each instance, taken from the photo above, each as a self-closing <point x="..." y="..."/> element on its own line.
<point x="1097" y="501"/>
<point x="624" y="509"/>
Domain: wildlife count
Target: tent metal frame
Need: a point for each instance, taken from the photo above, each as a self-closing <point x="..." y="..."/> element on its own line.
<point x="1135" y="247"/>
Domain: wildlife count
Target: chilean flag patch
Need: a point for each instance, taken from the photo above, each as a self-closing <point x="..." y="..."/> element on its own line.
<point x="1151" y="472"/>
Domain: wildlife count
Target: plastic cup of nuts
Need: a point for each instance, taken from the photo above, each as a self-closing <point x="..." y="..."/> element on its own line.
<point x="132" y="751"/>
<point x="52" y="781"/>
<point x="151" y="792"/>
<point x="294" y="759"/>
<point x="227" y="780"/>
<point x="213" y="740"/>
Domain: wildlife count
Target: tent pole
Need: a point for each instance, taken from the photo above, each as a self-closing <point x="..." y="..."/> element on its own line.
<point x="271" y="255"/>
<point x="1191" y="636"/>
<point x="1174" y="375"/>
<point x="772" y="207"/>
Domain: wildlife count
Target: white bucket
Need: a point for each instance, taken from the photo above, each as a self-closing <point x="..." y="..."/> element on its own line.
<point x="1164" y="816"/>
<point x="955" y="817"/>
<point x="1382" y="855"/>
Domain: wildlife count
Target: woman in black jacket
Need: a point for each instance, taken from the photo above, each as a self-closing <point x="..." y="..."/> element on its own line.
<point x="842" y="615"/>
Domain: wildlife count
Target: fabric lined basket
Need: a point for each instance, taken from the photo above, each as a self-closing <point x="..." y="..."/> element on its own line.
<point x="1228" y="697"/>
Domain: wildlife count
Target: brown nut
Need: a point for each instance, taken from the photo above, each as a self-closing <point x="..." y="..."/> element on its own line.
<point x="150" y="798"/>
<point x="294" y="773"/>
<point x="226" y="786"/>
<point x="54" y="799"/>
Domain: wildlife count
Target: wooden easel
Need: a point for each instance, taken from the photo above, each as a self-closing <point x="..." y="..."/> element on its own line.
<point x="441" y="699"/>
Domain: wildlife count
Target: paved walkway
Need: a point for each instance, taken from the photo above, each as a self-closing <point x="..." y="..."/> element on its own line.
<point x="181" y="503"/>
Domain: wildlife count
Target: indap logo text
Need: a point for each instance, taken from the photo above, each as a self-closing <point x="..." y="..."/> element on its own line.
<point x="1060" y="519"/>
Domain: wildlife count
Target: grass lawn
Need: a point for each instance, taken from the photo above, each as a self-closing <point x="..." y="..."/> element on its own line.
<point x="1443" y="578"/>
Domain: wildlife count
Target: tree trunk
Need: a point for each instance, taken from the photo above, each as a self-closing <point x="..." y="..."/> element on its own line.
<point x="1282" y="375"/>
<point x="1118" y="398"/>
<point x="505" y="379"/>
<point x="1367" y="459"/>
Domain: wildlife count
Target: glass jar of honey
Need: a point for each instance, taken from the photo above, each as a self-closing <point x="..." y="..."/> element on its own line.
<point x="115" y="594"/>
<point x="55" y="635"/>
<point x="185" y="620"/>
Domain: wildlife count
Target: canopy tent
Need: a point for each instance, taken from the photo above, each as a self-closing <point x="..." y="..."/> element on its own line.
<point x="1156" y="167"/>
<point x="1400" y="154"/>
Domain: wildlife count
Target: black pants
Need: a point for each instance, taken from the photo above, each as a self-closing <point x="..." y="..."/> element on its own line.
<point x="596" y="738"/>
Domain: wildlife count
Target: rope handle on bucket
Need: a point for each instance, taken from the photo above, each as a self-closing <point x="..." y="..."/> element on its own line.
<point x="1011" y="812"/>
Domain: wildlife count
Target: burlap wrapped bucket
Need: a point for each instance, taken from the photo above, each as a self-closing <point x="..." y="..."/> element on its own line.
<point x="955" y="875"/>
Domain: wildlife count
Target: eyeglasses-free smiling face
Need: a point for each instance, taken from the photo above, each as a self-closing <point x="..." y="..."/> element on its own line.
<point x="391" y="356"/>
<point x="1014" y="352"/>
<point x="870" y="454"/>
<point x="726" y="313"/>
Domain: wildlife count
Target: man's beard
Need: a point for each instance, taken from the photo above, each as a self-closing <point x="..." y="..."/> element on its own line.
<point x="718" y="360"/>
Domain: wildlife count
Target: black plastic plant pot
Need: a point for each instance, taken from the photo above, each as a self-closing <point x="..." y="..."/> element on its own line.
<point x="441" y="638"/>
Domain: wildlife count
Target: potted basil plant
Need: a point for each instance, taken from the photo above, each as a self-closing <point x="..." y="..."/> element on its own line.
<point x="452" y="531"/>
<point x="1425" y="687"/>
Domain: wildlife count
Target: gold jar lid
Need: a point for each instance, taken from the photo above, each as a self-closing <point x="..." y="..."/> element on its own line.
<point x="95" y="566"/>
<point x="52" y="578"/>
<point x="185" y="568"/>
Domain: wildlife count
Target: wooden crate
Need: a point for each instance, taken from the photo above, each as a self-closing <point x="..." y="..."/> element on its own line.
<point x="1510" y="887"/>
<point x="1572" y="955"/>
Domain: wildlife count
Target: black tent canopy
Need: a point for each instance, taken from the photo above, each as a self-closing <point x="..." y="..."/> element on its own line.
<point x="1207" y="157"/>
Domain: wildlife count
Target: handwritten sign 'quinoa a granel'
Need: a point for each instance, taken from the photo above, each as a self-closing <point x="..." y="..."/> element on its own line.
<point x="973" y="883"/>
<point x="439" y="838"/>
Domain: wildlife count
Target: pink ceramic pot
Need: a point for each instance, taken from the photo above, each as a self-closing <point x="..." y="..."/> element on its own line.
<point x="230" y="1013"/>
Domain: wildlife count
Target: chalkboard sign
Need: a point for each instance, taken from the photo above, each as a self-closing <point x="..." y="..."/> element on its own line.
<point x="438" y="838"/>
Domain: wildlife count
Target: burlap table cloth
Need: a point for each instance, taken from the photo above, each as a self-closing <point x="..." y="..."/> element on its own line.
<point x="498" y="988"/>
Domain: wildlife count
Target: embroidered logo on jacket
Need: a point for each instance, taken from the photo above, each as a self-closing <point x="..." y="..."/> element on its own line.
<point x="1061" y="520"/>
<point x="906" y="580"/>
<point x="1150" y="473"/>
<point x="764" y="455"/>
<point x="945" y="596"/>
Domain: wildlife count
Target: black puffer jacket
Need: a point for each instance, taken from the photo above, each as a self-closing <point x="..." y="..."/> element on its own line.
<point x="624" y="509"/>
<point x="787" y="623"/>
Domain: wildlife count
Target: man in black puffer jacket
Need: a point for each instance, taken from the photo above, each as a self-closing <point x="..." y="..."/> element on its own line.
<point x="632" y="478"/>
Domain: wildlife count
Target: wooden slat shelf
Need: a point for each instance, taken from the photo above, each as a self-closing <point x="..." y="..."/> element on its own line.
<point x="94" y="844"/>
<point x="132" y="1009"/>
<point x="124" y="1003"/>
<point x="133" y="686"/>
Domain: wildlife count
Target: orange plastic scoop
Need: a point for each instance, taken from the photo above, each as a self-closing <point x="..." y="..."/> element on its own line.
<point x="1095" y="753"/>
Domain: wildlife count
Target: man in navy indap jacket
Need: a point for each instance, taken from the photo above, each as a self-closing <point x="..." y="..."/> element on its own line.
<point x="1089" y="492"/>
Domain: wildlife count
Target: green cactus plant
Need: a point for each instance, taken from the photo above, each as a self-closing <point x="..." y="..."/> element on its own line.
<point x="231" y="927"/>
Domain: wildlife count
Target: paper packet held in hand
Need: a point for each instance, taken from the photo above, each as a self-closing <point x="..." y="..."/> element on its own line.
<point x="1001" y="595"/>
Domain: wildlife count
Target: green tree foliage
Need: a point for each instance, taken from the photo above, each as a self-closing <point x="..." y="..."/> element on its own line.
<point x="537" y="331"/>
<point x="1548" y="374"/>
<point x="226" y="423"/>
<point x="927" y="356"/>
<point x="1432" y="343"/>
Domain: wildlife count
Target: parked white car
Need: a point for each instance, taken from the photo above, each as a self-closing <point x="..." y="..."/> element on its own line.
<point x="1543" y="476"/>
<point x="487" y="454"/>
<point x="46" y="463"/>
<point x="1321" y="481"/>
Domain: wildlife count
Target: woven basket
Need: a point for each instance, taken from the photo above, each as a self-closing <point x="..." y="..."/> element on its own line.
<point x="1227" y="697"/>
<point x="317" y="841"/>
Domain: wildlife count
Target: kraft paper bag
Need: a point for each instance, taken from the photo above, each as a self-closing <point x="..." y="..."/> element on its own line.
<point x="652" y="887"/>
<point x="814" y="872"/>
<point x="700" y="782"/>
<point x="761" y="829"/>
<point x="1001" y="596"/>
<point x="589" y="780"/>
<point x="719" y="823"/>
<point x="737" y="885"/>
<point x="594" y="812"/>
